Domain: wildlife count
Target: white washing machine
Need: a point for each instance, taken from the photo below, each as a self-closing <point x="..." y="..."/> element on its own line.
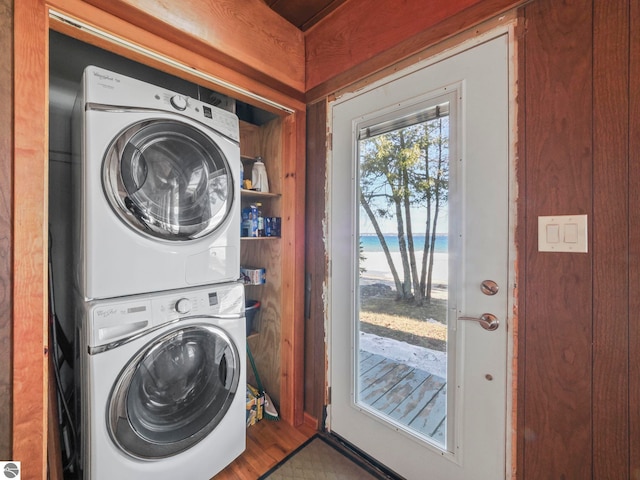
<point x="156" y="189"/>
<point x="162" y="384"/>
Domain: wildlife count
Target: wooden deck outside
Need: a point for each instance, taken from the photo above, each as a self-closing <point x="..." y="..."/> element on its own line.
<point x="411" y="397"/>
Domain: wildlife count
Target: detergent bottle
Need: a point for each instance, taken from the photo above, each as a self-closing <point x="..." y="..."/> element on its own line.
<point x="259" y="176"/>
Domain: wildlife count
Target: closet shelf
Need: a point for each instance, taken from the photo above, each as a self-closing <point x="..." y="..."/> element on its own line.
<point x="253" y="194"/>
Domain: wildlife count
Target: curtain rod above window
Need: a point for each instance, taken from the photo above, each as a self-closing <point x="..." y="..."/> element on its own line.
<point x="431" y="113"/>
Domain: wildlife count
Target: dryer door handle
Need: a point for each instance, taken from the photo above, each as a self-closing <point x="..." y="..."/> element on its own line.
<point x="227" y="316"/>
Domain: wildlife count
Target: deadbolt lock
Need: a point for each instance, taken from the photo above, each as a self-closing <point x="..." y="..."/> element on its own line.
<point x="489" y="287"/>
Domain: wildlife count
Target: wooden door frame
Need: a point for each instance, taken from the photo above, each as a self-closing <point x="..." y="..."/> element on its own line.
<point x="32" y="24"/>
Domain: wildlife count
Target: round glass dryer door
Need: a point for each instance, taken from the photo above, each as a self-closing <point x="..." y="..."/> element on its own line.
<point x="169" y="180"/>
<point x="174" y="392"/>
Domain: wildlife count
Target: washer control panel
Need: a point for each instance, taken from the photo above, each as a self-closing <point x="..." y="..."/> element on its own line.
<point x="183" y="306"/>
<point x="116" y="319"/>
<point x="179" y="102"/>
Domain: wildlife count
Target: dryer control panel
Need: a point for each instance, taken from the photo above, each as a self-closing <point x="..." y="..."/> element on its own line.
<point x="106" y="88"/>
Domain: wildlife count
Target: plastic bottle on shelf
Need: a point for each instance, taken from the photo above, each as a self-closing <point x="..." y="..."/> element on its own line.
<point x="260" y="220"/>
<point x="259" y="176"/>
<point x="245" y="224"/>
<point x="254" y="221"/>
<point x="268" y="232"/>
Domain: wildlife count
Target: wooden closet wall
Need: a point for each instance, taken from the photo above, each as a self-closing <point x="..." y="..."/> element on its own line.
<point x="6" y="141"/>
<point x="257" y="53"/>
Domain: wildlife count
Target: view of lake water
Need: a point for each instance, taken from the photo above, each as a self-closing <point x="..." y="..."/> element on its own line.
<point x="371" y="243"/>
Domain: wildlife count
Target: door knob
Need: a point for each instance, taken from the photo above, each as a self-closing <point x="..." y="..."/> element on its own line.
<point x="488" y="321"/>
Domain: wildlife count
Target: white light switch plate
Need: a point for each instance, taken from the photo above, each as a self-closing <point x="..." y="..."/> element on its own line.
<point x="563" y="233"/>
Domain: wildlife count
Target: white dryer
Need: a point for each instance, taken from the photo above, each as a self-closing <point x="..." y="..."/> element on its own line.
<point x="156" y="182"/>
<point x="162" y="384"/>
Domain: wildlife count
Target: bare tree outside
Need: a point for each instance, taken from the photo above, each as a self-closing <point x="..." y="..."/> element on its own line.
<point x="403" y="255"/>
<point x="404" y="177"/>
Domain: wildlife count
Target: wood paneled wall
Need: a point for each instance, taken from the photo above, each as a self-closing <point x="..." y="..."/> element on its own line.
<point x="316" y="262"/>
<point x="557" y="310"/>
<point x="361" y="37"/>
<point x="6" y="141"/>
<point x="575" y="369"/>
<point x="29" y="279"/>
<point x="611" y="188"/>
<point x="634" y="239"/>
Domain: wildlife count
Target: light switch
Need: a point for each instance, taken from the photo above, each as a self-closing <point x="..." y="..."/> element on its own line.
<point x="571" y="233"/>
<point x="562" y="233"/>
<point x="553" y="233"/>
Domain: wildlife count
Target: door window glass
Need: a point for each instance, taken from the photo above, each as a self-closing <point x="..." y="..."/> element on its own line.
<point x="403" y="271"/>
<point x="168" y="180"/>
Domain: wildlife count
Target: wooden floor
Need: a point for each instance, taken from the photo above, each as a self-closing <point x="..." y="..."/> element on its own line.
<point x="408" y="395"/>
<point x="268" y="442"/>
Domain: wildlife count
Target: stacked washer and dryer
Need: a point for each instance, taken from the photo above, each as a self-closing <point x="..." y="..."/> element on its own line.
<point x="160" y="313"/>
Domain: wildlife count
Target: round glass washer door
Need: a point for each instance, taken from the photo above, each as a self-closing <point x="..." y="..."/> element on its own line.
<point x="174" y="392"/>
<point x="167" y="179"/>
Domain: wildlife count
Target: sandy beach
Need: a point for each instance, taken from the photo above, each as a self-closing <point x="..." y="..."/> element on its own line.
<point x="377" y="268"/>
